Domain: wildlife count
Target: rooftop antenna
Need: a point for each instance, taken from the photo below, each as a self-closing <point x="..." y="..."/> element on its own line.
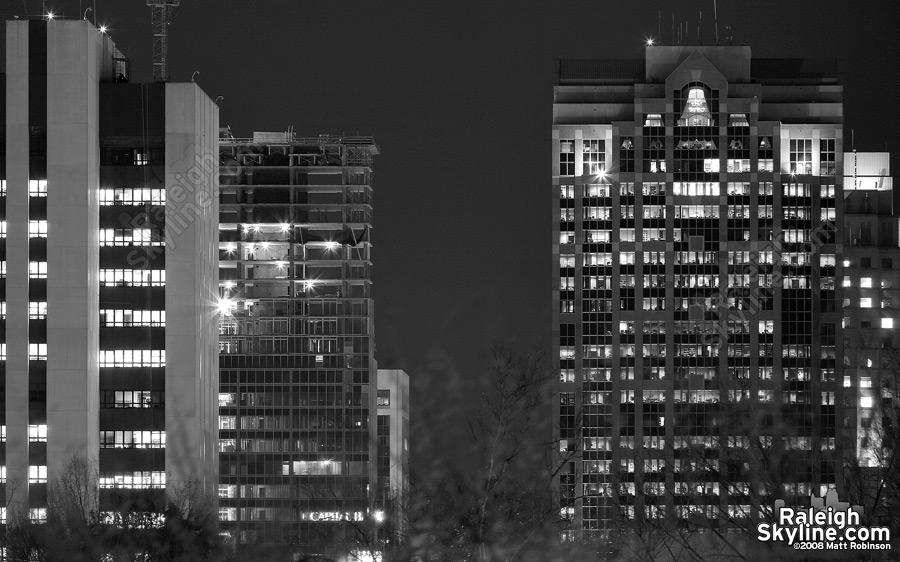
<point x="699" y="27"/>
<point x="161" y="17"/>
<point x="716" y="18"/>
<point x="659" y="25"/>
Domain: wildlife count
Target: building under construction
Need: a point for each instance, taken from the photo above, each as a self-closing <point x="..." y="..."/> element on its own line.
<point x="297" y="437"/>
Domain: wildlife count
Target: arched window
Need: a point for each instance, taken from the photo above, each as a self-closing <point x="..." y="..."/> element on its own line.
<point x="695" y="110"/>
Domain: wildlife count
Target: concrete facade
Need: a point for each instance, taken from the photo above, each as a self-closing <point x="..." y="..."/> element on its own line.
<point x="17" y="202"/>
<point x="393" y="404"/>
<point x="192" y="275"/>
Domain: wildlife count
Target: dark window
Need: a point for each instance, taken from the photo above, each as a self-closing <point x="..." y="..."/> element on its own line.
<point x="567" y="157"/>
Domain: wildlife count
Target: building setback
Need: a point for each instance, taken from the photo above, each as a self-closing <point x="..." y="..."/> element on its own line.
<point x="697" y="320"/>
<point x="297" y="397"/>
<point x="110" y="269"/>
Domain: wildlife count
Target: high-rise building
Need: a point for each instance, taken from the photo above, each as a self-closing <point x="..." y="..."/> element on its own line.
<point x="109" y="267"/>
<point x="695" y="252"/>
<point x="871" y="300"/>
<point x="298" y="386"/>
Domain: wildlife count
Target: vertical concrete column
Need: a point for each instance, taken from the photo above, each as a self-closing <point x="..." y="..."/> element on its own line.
<point x="17" y="170"/>
<point x="73" y="251"/>
<point x="192" y="279"/>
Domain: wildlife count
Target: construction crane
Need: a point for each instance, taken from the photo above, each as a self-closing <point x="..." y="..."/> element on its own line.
<point x="161" y="16"/>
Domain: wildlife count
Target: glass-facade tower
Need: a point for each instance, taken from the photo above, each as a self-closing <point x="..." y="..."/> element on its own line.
<point x="695" y="197"/>
<point x="297" y="432"/>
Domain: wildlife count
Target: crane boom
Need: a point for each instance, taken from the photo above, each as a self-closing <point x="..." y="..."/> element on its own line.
<point x="161" y="16"/>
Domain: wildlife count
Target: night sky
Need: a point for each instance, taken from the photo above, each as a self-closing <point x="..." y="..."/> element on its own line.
<point x="458" y="97"/>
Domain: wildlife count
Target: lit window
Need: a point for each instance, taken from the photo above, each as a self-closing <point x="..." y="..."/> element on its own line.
<point x="37" y="433"/>
<point x="865" y="302"/>
<point x="132" y="237"/>
<point x="2" y="229"/>
<point x="37" y="188"/>
<point x="2" y="188"/>
<point x="38" y="515"/>
<point x="847" y="282"/>
<point x="131" y="399"/>
<point x="696" y="109"/>
<point x="37" y="229"/>
<point x="801" y="156"/>
<point x="3" y="268"/>
<point x="37" y="474"/>
<point x="132" y="196"/>
<point x="136" y="480"/>
<point x="37" y="270"/>
<point x="37" y="352"/>
<point x="865" y="402"/>
<point x="847" y="382"/>
<point x="740" y="120"/>
<point x="593" y="157"/>
<point x="865" y="282"/>
<point x="653" y="120"/>
<point x="37" y="310"/>
<point x="132" y="277"/>
<point x="141" y="158"/>
<point x="384" y="398"/>
<point x="127" y="318"/>
<point x="887" y="323"/>
<point x="133" y="439"/>
<point x="3" y="357"/>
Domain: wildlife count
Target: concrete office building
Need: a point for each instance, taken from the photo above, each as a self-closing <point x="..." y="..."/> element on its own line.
<point x="298" y="386"/>
<point x="109" y="270"/>
<point x="697" y="320"/>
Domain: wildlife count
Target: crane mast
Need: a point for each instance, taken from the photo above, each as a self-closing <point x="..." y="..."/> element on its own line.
<point x="161" y="16"/>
